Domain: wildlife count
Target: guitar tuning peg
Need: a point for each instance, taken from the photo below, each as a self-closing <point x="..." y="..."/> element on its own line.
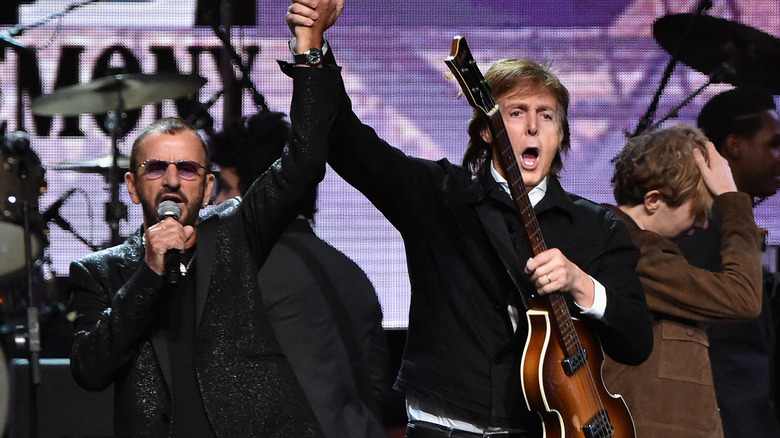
<point x="448" y="75"/>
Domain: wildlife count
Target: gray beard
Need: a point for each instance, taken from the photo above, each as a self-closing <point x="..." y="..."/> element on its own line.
<point x="190" y="216"/>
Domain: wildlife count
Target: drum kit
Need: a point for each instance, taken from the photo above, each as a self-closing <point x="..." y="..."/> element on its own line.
<point x="725" y="51"/>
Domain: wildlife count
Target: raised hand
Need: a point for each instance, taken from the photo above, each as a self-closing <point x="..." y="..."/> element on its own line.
<point x="309" y="19"/>
<point x="715" y="171"/>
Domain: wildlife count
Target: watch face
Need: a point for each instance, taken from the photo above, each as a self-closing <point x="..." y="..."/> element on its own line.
<point x="313" y="56"/>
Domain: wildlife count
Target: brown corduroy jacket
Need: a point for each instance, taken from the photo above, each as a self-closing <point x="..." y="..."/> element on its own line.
<point x="672" y="394"/>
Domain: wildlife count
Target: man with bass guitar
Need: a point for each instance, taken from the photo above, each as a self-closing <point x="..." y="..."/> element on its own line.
<point x="470" y="264"/>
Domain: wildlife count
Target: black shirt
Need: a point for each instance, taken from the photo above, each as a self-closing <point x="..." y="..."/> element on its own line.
<point x="189" y="415"/>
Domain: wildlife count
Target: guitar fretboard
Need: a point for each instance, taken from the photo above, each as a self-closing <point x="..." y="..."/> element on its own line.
<point x="519" y="193"/>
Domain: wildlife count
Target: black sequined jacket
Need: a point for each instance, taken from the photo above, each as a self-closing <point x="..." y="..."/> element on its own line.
<point x="247" y="385"/>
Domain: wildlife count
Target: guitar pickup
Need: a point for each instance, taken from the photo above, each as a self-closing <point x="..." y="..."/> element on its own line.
<point x="599" y="426"/>
<point x="574" y="362"/>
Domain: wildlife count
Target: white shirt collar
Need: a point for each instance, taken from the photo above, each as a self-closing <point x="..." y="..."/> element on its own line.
<point x="535" y="195"/>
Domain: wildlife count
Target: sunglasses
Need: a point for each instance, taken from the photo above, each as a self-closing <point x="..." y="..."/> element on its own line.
<point x="186" y="169"/>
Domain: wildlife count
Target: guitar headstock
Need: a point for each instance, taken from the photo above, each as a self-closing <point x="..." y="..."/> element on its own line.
<point x="464" y="68"/>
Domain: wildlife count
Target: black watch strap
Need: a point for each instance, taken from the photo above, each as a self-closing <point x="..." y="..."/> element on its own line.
<point x="312" y="56"/>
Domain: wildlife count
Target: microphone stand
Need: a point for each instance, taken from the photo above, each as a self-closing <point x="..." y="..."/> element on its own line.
<point x="231" y="105"/>
<point x="246" y="81"/>
<point x="52" y="214"/>
<point x="33" y="322"/>
<point x="115" y="210"/>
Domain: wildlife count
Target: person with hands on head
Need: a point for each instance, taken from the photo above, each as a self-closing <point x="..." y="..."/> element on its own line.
<point x="469" y="263"/>
<point x="665" y="184"/>
<point x="200" y="357"/>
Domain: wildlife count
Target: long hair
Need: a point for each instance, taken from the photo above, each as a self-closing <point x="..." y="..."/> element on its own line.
<point x="507" y="75"/>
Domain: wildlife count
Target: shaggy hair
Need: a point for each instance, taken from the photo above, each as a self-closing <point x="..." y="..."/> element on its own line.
<point x="507" y="75"/>
<point x="663" y="161"/>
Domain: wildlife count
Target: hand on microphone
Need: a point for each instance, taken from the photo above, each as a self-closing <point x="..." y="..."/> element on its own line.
<point x="166" y="240"/>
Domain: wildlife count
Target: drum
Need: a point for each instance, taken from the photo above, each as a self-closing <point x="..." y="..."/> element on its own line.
<point x="21" y="178"/>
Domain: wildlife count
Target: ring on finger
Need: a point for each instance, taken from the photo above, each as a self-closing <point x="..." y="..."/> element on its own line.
<point x="549" y="279"/>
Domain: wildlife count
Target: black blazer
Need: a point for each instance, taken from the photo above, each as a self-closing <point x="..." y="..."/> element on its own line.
<point x="328" y="320"/>
<point x="247" y="384"/>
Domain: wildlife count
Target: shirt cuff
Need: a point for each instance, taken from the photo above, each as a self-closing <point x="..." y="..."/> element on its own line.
<point x="599" y="301"/>
<point x="294" y="41"/>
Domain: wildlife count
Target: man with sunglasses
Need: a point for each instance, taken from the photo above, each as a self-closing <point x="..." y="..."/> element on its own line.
<point x="198" y="357"/>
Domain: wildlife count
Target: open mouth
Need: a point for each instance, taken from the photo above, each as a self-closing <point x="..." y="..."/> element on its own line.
<point x="530" y="157"/>
<point x="171" y="197"/>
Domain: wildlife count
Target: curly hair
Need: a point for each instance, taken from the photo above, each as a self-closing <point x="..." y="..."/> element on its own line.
<point x="663" y="161"/>
<point x="504" y="76"/>
<point x="250" y="145"/>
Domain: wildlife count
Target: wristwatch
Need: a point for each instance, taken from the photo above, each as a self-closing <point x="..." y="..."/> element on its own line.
<point x="312" y="56"/>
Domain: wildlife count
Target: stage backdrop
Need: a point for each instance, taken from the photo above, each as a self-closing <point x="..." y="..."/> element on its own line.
<point x="392" y="56"/>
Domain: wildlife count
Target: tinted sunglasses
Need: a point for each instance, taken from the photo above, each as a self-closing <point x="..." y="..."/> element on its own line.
<point x="186" y="169"/>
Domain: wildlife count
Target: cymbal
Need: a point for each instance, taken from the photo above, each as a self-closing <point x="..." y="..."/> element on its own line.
<point x="750" y="56"/>
<point x="121" y="92"/>
<point x="101" y="165"/>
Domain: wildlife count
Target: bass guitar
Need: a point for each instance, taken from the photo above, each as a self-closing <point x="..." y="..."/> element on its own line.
<point x="561" y="367"/>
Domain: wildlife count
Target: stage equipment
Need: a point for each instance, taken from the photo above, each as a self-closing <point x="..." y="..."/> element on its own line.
<point x="725" y="51"/>
<point x="22" y="178"/>
<point x="7" y="38"/>
<point x="123" y="92"/>
<point x="752" y="55"/>
<point x="99" y="165"/>
<point x="64" y="408"/>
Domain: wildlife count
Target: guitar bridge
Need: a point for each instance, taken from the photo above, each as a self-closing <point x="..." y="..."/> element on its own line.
<point x="599" y="426"/>
<point x="574" y="362"/>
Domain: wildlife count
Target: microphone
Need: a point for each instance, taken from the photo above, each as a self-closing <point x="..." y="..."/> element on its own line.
<point x="172" y="256"/>
<point x="53" y="212"/>
<point x="17" y="142"/>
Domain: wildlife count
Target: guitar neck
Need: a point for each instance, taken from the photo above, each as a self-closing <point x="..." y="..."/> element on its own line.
<point x="517" y="188"/>
<point x="533" y="234"/>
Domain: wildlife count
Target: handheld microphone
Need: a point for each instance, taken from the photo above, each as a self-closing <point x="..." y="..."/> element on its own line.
<point x="172" y="256"/>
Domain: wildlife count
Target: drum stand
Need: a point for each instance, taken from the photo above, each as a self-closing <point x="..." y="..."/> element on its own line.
<point x="33" y="335"/>
<point x="115" y="209"/>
